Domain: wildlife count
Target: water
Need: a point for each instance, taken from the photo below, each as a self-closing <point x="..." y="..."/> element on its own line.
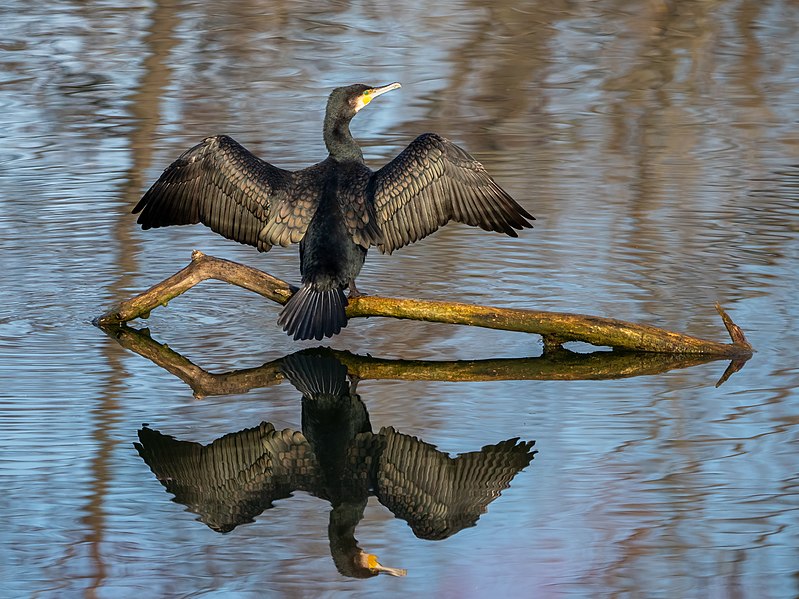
<point x="655" y="142"/>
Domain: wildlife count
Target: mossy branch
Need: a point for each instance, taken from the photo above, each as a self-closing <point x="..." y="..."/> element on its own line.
<point x="556" y="328"/>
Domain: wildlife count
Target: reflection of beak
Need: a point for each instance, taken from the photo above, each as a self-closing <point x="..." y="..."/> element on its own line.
<point x="371" y="94"/>
<point x="369" y="560"/>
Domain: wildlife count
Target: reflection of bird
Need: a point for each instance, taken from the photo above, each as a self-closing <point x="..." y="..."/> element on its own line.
<point x="336" y="209"/>
<point x="333" y="415"/>
<point x="336" y="458"/>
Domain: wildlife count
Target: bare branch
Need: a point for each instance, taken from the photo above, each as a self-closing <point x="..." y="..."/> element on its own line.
<point x="555" y="327"/>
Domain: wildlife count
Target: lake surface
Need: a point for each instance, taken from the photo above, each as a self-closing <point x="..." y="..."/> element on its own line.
<point x="657" y="145"/>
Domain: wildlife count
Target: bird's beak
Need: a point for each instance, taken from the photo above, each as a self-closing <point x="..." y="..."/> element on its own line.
<point x="371" y="94"/>
<point x="379" y="91"/>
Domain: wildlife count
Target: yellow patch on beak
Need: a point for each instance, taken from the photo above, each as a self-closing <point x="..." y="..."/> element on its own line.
<point x="373" y="564"/>
<point x="363" y="100"/>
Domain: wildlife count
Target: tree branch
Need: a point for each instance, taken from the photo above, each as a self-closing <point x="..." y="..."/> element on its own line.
<point x="556" y="328"/>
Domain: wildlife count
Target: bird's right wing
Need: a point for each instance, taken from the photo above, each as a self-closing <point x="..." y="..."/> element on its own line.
<point x="221" y="184"/>
<point x="433" y="181"/>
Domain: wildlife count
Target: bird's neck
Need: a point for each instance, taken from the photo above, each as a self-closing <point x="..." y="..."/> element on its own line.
<point x="339" y="140"/>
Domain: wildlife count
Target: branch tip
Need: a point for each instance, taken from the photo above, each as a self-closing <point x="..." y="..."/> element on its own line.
<point x="735" y="332"/>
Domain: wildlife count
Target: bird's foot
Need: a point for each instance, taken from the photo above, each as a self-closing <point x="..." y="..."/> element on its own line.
<point x="354" y="291"/>
<point x="354" y="380"/>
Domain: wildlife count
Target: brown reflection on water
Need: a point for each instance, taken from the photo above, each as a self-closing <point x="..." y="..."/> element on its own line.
<point x="560" y="365"/>
<point x="158" y="41"/>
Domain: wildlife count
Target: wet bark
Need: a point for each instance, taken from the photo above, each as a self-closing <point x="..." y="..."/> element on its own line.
<point x="556" y="328"/>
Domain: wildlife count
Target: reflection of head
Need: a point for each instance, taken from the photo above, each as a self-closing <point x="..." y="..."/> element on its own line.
<point x="350" y="559"/>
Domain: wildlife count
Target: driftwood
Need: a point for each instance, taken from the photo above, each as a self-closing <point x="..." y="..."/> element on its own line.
<point x="556" y="328"/>
<point x="553" y="366"/>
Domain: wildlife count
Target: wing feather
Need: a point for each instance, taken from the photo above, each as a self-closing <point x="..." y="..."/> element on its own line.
<point x="221" y="184"/>
<point x="432" y="182"/>
<point x="236" y="477"/>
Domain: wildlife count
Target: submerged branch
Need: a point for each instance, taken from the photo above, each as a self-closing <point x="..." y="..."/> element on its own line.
<point x="556" y="328"/>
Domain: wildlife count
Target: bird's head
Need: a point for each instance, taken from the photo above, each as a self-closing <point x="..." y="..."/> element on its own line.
<point x="347" y="101"/>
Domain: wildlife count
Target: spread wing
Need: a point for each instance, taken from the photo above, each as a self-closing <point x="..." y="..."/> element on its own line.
<point x="236" y="477"/>
<point x="432" y="182"/>
<point x="224" y="186"/>
<point x="437" y="495"/>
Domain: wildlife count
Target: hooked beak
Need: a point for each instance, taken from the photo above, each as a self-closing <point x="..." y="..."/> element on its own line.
<point x="372" y="93"/>
<point x="379" y="91"/>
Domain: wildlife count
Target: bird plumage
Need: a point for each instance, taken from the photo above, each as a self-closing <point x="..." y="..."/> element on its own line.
<point x="336" y="209"/>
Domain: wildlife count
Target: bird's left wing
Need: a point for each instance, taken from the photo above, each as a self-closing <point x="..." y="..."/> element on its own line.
<point x="432" y="182"/>
<point x="221" y="184"/>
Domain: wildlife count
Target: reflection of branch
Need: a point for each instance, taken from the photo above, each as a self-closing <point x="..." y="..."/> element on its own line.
<point x="556" y="328"/>
<point x="560" y="365"/>
<point x="202" y="382"/>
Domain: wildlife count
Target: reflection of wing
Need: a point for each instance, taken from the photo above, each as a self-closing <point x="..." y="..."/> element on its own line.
<point x="433" y="181"/>
<point x="437" y="495"/>
<point x="236" y="477"/>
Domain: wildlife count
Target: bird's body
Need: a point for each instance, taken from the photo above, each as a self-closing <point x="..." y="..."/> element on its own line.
<point x="336" y="209"/>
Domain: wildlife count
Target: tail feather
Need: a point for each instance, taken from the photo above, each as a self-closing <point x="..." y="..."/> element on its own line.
<point x="314" y="314"/>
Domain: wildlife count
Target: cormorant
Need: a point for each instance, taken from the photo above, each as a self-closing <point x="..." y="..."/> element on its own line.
<point x="335" y="209"/>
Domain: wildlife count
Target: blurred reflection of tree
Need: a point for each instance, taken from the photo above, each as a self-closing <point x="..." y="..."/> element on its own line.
<point x="692" y="115"/>
<point x="143" y="107"/>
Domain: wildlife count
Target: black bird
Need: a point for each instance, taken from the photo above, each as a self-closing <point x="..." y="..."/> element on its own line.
<point x="335" y="209"/>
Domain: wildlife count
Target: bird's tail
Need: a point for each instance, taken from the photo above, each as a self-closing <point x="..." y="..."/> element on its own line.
<point x="313" y="313"/>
